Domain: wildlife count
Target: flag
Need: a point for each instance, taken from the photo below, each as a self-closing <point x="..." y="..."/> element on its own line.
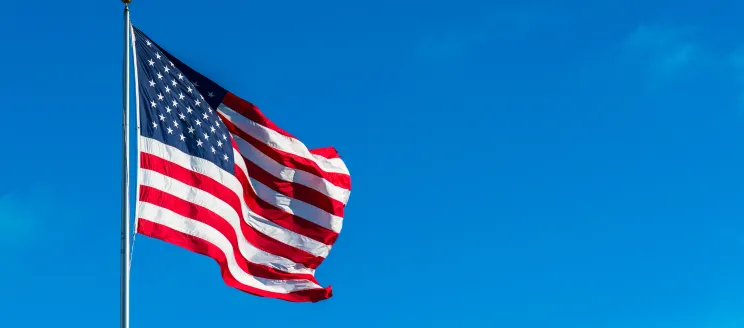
<point x="216" y="177"/>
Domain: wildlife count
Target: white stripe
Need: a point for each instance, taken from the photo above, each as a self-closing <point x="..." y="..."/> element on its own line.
<point x="279" y="141"/>
<point x="203" y="231"/>
<point x="193" y="195"/>
<point x="289" y="174"/>
<point x="211" y="170"/>
<point x="335" y="162"/>
<point x="291" y="205"/>
<point x="192" y="163"/>
<point x="298" y="207"/>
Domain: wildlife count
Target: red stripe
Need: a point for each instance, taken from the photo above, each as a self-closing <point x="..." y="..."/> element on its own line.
<point x="262" y="208"/>
<point x="327" y="152"/>
<point x="251" y="112"/>
<point x="200" y="246"/>
<point x="207" y="184"/>
<point x="284" y="219"/>
<point x="191" y="178"/>
<point x="295" y="190"/>
<point x="280" y="217"/>
<point x="289" y="160"/>
<point x="199" y="213"/>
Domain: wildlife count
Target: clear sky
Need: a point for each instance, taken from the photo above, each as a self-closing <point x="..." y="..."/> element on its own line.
<point x="548" y="164"/>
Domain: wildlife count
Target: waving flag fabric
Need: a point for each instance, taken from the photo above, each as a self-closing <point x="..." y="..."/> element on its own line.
<point x="219" y="178"/>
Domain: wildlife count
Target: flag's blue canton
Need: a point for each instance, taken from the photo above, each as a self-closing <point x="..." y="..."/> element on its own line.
<point x="213" y="92"/>
<point x="173" y="111"/>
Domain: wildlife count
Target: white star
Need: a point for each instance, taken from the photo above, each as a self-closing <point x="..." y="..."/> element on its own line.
<point x="197" y="103"/>
<point x="157" y="55"/>
<point x="154" y="125"/>
<point x="168" y="109"/>
<point x="224" y="137"/>
<point x="151" y="62"/>
<point x="171" y="63"/>
<point x="160" y="96"/>
<point x="167" y="89"/>
<point x="181" y="116"/>
<point x="225" y="156"/>
<point x="213" y="150"/>
<point x="175" y="103"/>
<point x="206" y="136"/>
<point x="181" y="96"/>
<point x="152" y="83"/>
<point x="211" y="94"/>
<point x="182" y="137"/>
<point x="153" y="103"/>
<point x="217" y="123"/>
<point x="175" y="123"/>
<point x="196" y="84"/>
<point x="199" y="142"/>
<point x="189" y="90"/>
<point x="180" y="76"/>
<point x="201" y="96"/>
<point x="160" y="76"/>
<point x="189" y="110"/>
<point x="219" y="143"/>
<point x="205" y="116"/>
<point x="212" y="129"/>
<point x="191" y="130"/>
<point x="166" y="68"/>
<point x="198" y="122"/>
<point x="162" y="118"/>
<point x="210" y="110"/>
<point x="170" y="131"/>
<point x="174" y="83"/>
<point x="148" y="43"/>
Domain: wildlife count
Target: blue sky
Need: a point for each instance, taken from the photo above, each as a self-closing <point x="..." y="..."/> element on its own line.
<point x="573" y="164"/>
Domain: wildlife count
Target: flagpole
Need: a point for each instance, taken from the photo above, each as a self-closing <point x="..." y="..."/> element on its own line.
<point x="125" y="247"/>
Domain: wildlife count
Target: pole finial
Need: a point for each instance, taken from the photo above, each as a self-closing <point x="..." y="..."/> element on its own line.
<point x="126" y="2"/>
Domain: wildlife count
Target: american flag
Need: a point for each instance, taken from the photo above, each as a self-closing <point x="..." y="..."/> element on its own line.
<point x="218" y="178"/>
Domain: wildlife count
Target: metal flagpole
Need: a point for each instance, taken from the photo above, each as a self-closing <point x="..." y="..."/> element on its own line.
<point x="124" y="315"/>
